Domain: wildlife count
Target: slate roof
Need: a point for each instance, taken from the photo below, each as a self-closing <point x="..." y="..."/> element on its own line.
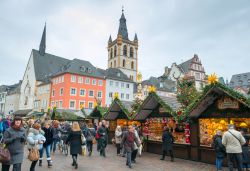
<point x="10" y="89"/>
<point x="81" y="67"/>
<point x="114" y="73"/>
<point x="185" y="65"/>
<point x="47" y="64"/>
<point x="161" y="83"/>
<point x="123" y="27"/>
<point x="240" y="80"/>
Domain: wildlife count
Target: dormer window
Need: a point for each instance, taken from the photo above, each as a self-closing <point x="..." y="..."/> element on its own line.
<point x="89" y="70"/>
<point x="83" y="69"/>
<point x="118" y="74"/>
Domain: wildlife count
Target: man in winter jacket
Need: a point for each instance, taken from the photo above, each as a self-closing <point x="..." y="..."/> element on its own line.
<point x="233" y="140"/>
<point x="167" y="143"/>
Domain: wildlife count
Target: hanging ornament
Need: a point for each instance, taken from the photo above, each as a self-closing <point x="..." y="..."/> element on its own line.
<point x="116" y="95"/>
<point x="151" y="89"/>
<point x="212" y="79"/>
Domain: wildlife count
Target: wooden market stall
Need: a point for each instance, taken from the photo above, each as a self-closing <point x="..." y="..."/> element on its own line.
<point x="96" y="114"/>
<point x="155" y="113"/>
<point x="214" y="110"/>
<point x="119" y="113"/>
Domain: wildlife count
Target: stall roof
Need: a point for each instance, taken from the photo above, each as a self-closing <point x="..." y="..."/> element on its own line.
<point x="97" y="112"/>
<point x="211" y="93"/>
<point x="169" y="104"/>
<point x="22" y="112"/>
<point x="78" y="113"/>
<point x="119" y="107"/>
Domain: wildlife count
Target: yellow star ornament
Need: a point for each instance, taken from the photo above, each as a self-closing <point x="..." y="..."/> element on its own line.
<point x="151" y="89"/>
<point x="212" y="79"/>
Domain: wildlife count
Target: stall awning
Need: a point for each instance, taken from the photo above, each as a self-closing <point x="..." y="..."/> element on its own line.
<point x="69" y="114"/>
<point x="35" y="113"/>
<point x="168" y="103"/>
<point x="119" y="110"/>
<point x="210" y="95"/>
<point x="22" y="113"/>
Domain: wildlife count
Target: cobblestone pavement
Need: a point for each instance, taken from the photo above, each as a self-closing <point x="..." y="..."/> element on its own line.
<point x="112" y="162"/>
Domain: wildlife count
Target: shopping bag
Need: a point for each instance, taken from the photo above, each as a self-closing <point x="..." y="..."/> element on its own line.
<point x="33" y="154"/>
<point x="140" y="150"/>
<point x="94" y="141"/>
<point x="84" y="150"/>
<point x="4" y="154"/>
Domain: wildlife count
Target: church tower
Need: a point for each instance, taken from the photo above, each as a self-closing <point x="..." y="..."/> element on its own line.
<point x="122" y="52"/>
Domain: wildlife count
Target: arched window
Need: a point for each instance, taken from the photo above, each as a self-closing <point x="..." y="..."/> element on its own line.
<point x="131" y="52"/>
<point x="123" y="63"/>
<point x="111" y="65"/>
<point x="125" y="50"/>
<point x="111" y="53"/>
<point x="115" y="64"/>
<point x="115" y="51"/>
<point x="132" y="65"/>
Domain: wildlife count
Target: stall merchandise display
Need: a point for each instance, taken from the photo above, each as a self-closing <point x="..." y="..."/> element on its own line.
<point x="209" y="127"/>
<point x="153" y="129"/>
<point x="122" y="123"/>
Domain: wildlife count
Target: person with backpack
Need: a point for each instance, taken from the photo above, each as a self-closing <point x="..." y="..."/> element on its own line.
<point x="90" y="134"/>
<point x="233" y="140"/>
<point x="220" y="150"/>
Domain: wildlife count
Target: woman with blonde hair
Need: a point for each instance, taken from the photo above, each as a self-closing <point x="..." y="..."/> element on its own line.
<point x="74" y="139"/>
<point x="118" y="139"/>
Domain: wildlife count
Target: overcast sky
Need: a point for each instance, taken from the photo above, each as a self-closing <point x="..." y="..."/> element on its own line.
<point x="168" y="31"/>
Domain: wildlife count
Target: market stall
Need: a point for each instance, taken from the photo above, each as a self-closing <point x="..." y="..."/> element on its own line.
<point x="96" y="114"/>
<point x="217" y="107"/>
<point x="119" y="113"/>
<point x="155" y="113"/>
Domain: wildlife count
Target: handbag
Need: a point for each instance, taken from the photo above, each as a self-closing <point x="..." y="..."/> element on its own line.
<point x="84" y="150"/>
<point x="33" y="154"/>
<point x="83" y="139"/>
<point x="4" y="154"/>
<point x="90" y="137"/>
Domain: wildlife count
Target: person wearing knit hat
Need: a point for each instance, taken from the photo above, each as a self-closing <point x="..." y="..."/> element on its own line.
<point x="14" y="137"/>
<point x="35" y="139"/>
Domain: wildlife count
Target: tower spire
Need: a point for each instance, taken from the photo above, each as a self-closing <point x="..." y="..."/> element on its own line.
<point x="42" y="46"/>
<point x="123" y="31"/>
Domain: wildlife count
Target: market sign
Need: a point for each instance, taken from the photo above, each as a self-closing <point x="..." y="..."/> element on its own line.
<point x="228" y="103"/>
<point x="162" y="110"/>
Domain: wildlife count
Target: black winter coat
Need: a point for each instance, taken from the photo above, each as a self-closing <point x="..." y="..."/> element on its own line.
<point x="219" y="148"/>
<point x="48" y="134"/>
<point x="245" y="151"/>
<point x="74" y="139"/>
<point x="167" y="141"/>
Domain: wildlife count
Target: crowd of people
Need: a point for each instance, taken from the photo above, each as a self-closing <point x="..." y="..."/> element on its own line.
<point x="44" y="136"/>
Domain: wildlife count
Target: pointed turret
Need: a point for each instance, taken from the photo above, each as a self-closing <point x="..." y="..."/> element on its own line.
<point x="42" y="46"/>
<point x="135" y="38"/>
<point x="123" y="31"/>
<point x="110" y="39"/>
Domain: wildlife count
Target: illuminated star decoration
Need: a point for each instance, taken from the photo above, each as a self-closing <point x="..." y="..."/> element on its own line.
<point x="212" y="79"/>
<point x="151" y="89"/>
<point x="116" y="95"/>
<point x="81" y="106"/>
<point x="95" y="104"/>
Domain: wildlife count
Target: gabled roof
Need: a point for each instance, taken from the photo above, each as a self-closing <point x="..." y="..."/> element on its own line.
<point x="119" y="109"/>
<point x="97" y="112"/>
<point x="47" y="64"/>
<point x="114" y="73"/>
<point x="185" y="65"/>
<point x="80" y="67"/>
<point x="211" y="93"/>
<point x="169" y="105"/>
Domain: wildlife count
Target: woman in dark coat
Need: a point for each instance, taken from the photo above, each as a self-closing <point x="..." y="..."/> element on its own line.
<point x="102" y="131"/>
<point x="14" y="137"/>
<point x="245" y="150"/>
<point x="167" y="143"/>
<point x="74" y="139"/>
<point x="220" y="150"/>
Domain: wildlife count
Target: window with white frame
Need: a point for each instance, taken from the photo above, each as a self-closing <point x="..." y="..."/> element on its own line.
<point x="56" y="103"/>
<point x="81" y="104"/>
<point x="110" y="94"/>
<point x="62" y="79"/>
<point x="60" y="104"/>
<point x="91" y="93"/>
<point x="94" y="82"/>
<point x="72" y="104"/>
<point x="87" y="81"/>
<point x="56" y="80"/>
<point x="99" y="94"/>
<point x="80" y="80"/>
<point x="73" y="78"/>
<point x="127" y="96"/>
<point x="73" y="91"/>
<point x="82" y="92"/>
<point x="122" y="95"/>
<point x="122" y="85"/>
<point x="111" y="83"/>
<point x="100" y="82"/>
<point x="59" y="80"/>
<point x="127" y="85"/>
<point x="91" y="105"/>
<point x="53" y="93"/>
<point x="61" y="91"/>
<point x="52" y="103"/>
<point x="117" y="84"/>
